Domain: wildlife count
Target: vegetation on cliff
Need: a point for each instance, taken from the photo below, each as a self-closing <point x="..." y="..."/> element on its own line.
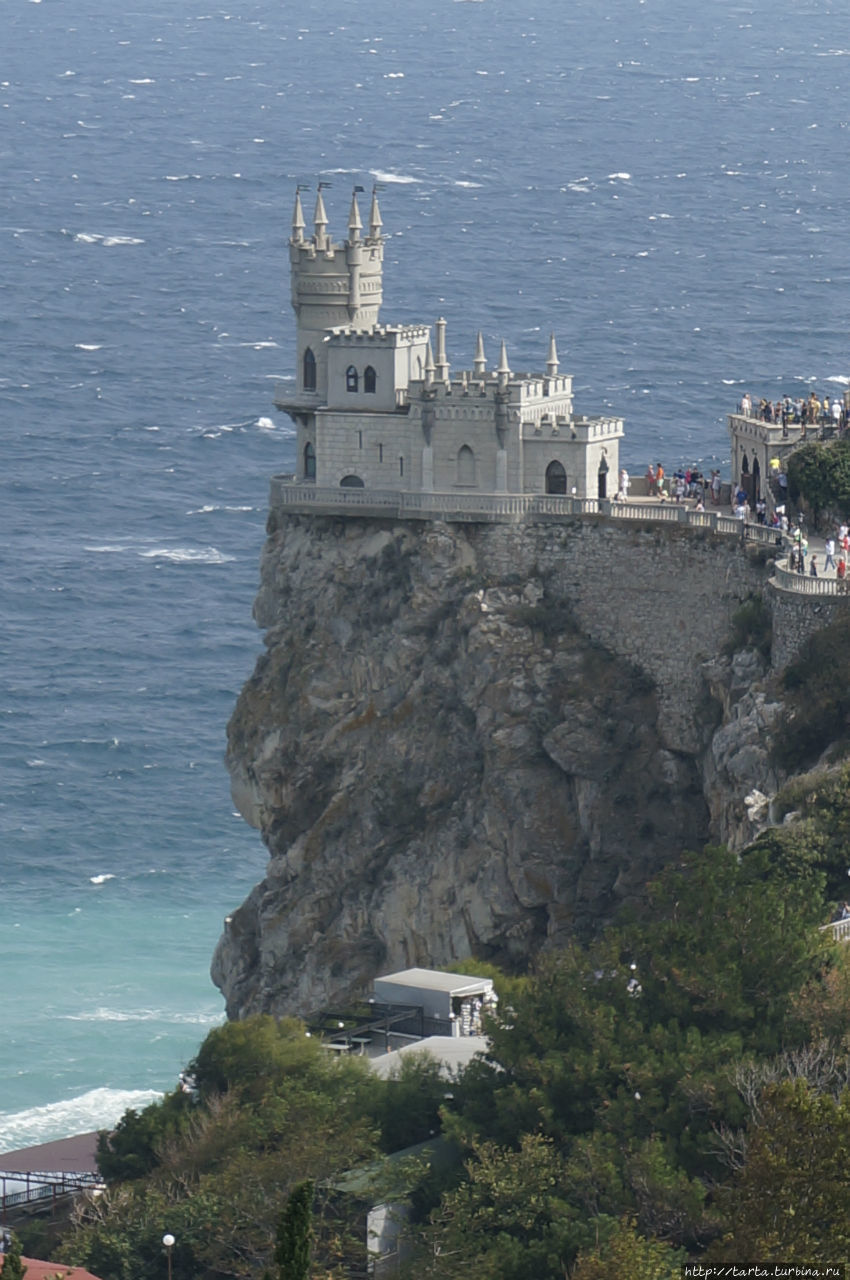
<point x="668" y="1090"/>
<point x="819" y="475"/>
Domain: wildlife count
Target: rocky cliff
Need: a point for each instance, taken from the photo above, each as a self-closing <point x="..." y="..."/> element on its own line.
<point x="479" y="738"/>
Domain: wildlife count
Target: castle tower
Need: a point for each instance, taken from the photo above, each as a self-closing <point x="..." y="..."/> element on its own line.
<point x="334" y="285"/>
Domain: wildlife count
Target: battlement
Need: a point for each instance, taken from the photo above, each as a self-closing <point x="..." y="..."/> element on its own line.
<point x="376" y="405"/>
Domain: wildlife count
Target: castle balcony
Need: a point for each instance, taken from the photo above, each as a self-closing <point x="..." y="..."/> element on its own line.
<point x="292" y="401"/>
<point x="776" y="436"/>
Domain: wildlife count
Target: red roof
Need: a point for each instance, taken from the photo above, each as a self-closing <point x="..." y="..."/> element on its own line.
<point x="38" y="1270"/>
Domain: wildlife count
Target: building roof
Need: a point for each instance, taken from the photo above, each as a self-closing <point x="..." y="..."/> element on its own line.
<point x="454" y="1053"/>
<point x="68" y="1155"/>
<point x="36" y="1269"/>
<point x="456" y="984"/>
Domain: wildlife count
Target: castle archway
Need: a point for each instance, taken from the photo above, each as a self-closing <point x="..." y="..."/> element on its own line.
<point x="465" y="465"/>
<point x="309" y="370"/>
<point x="351" y="482"/>
<point x="602" y="479"/>
<point x="556" y="478"/>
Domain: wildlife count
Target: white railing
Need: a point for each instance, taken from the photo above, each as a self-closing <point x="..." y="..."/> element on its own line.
<point x="801" y="583"/>
<point x="840" y="930"/>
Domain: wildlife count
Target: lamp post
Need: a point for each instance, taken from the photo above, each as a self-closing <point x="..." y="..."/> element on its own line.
<point x="168" y="1241"/>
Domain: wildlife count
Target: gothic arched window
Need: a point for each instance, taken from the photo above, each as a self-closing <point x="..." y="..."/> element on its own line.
<point x="309" y="371"/>
<point x="309" y="462"/>
<point x="351" y="378"/>
<point x="556" y="478"/>
<point x="465" y="465"/>
<point x="370" y="379"/>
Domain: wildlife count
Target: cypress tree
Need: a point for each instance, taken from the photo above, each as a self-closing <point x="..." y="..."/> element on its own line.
<point x="295" y="1234"/>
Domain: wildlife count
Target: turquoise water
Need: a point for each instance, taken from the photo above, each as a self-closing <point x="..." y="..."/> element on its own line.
<point x="663" y="188"/>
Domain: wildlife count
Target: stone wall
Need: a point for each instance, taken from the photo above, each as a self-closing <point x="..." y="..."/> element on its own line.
<point x="796" y="618"/>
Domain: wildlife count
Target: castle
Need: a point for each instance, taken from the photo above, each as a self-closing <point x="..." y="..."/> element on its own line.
<point x="375" y="407"/>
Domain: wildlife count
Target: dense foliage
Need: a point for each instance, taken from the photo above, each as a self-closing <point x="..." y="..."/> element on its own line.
<point x="634" y="1108"/>
<point x="817" y="699"/>
<point x="819" y="474"/>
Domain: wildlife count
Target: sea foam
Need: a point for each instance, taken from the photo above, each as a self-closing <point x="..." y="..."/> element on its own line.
<point x="97" y="1109"/>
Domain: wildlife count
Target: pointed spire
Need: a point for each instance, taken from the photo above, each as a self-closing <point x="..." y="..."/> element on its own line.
<point x="355" y="226"/>
<point x="464" y="382"/>
<point x="298" y="223"/>
<point x="375" y="222"/>
<point x="320" y="218"/>
<point x="429" y="365"/>
<point x="479" y="364"/>
<point x="442" y="366"/>
<point x="552" y="358"/>
<point x="504" y="369"/>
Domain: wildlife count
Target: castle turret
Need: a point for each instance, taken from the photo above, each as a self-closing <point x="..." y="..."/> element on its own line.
<point x="504" y="369"/>
<point x="552" y="358"/>
<point x="334" y="285"/>
<point x="442" y="364"/>
<point x="375" y="222"/>
<point x="298" y="223"/>
<point x="479" y="363"/>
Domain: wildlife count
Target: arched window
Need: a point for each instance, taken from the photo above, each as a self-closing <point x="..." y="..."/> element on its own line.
<point x="465" y="465"/>
<point x="309" y="371"/>
<point x="602" y="479"/>
<point x="351" y="378"/>
<point x="370" y="379"/>
<point x="556" y="478"/>
<point x="745" y="466"/>
<point x="309" y="462"/>
<point x="351" y="482"/>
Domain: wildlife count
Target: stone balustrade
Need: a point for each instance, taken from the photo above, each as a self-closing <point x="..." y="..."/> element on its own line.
<point x="803" y="584"/>
<point x="289" y="494"/>
<point x="840" y="930"/>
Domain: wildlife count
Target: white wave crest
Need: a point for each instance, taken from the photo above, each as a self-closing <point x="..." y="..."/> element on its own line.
<point x="109" y="242"/>
<point x="188" y="555"/>
<point x="102" y="879"/>
<point x="103" y="1014"/>
<point x="623" y="177"/>
<point x="265" y="424"/>
<point x="403" y="179"/>
<point x="97" y="1109"/>
<point x="88" y="346"/>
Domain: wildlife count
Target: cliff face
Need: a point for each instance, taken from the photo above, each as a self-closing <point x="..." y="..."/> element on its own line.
<point x="477" y="738"/>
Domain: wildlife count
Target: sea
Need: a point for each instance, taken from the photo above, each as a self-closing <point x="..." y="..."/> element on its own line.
<point x="664" y="186"/>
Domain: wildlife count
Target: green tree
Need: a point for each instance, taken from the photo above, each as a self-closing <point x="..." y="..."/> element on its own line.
<point x="295" y="1234"/>
<point x="507" y="1221"/>
<point x="13" y="1267"/>
<point x="790" y="1202"/>
<point x="626" y="1255"/>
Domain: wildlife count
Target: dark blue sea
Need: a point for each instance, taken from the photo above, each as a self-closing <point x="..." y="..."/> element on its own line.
<point x="664" y="185"/>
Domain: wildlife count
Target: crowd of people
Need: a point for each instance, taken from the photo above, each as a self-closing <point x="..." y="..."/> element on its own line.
<point x="802" y="411"/>
<point x="681" y="484"/>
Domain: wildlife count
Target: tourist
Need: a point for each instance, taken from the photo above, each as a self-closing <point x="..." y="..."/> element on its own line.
<point x="624" y="485"/>
<point x="841" y="571"/>
<point x="813" y="567"/>
<point x="651" y="483"/>
<point x="715" y="488"/>
<point x="829" y="548"/>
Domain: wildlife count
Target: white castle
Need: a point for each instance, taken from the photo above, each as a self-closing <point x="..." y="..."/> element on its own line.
<point x="375" y="407"/>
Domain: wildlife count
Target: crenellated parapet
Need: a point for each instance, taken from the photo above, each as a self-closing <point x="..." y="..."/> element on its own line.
<point x="378" y="405"/>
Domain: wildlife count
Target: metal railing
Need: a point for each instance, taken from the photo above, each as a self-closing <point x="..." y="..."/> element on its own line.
<point x="35" y="1188"/>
